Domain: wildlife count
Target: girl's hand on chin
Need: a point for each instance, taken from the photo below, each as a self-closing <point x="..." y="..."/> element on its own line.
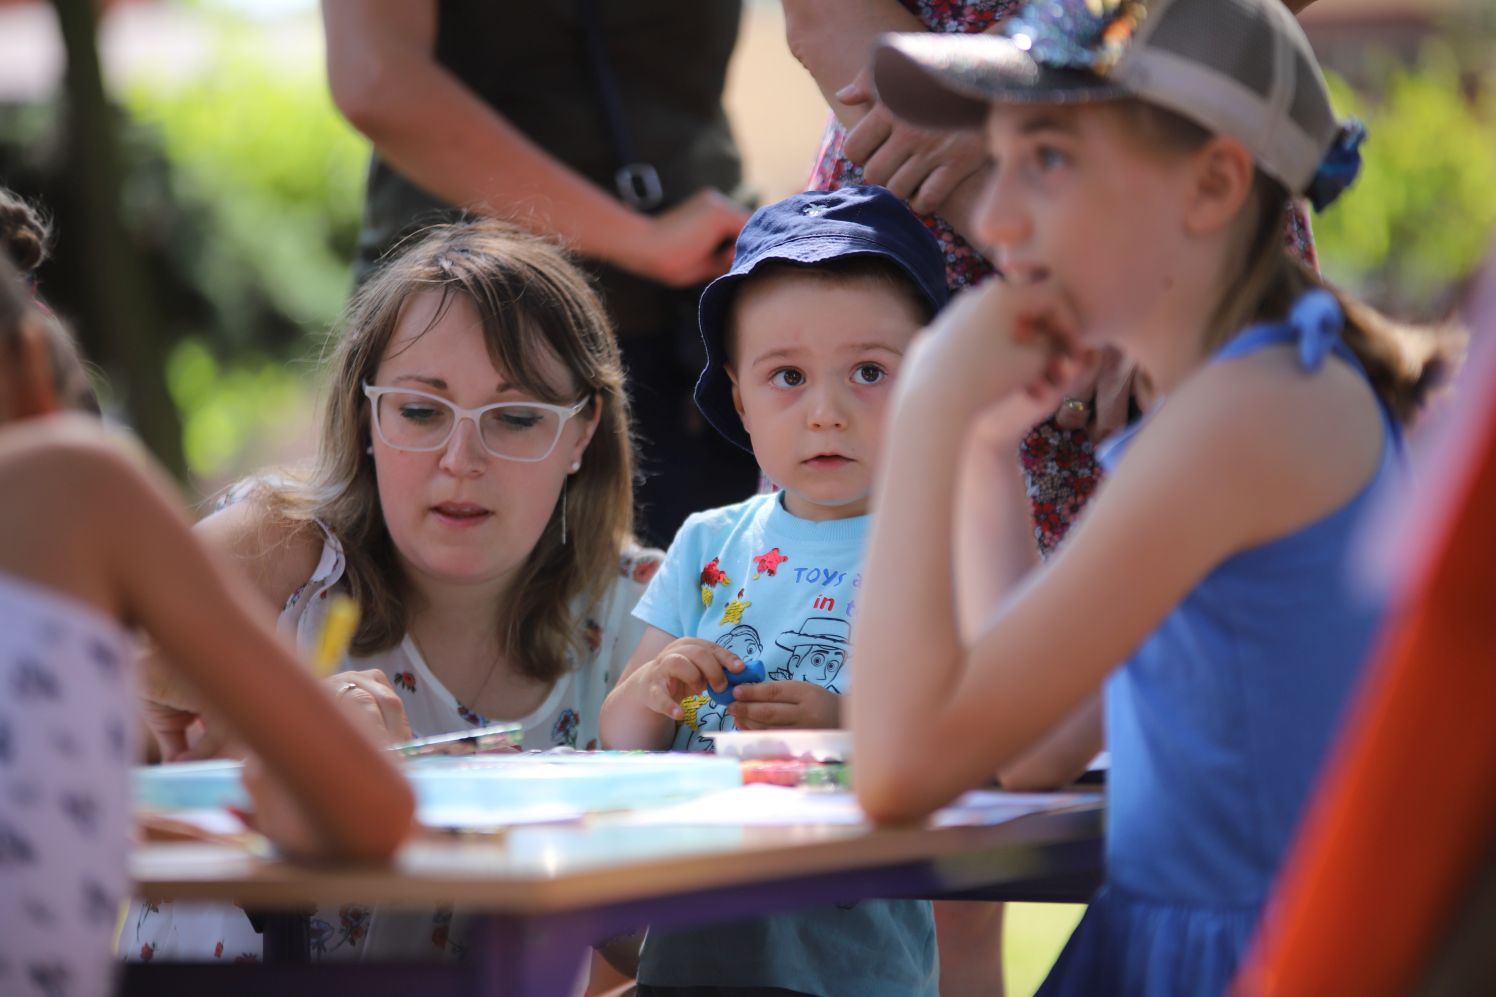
<point x="993" y="342"/>
<point x="1004" y="423"/>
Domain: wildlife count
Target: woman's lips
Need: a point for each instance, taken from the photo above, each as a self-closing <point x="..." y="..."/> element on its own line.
<point x="828" y="461"/>
<point x="460" y="515"/>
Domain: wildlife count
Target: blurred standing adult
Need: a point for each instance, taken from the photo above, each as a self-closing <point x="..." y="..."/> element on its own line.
<point x="598" y="123"/>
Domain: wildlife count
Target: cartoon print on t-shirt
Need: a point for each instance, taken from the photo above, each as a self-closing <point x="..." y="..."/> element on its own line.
<point x="743" y="641"/>
<point x="817" y="651"/>
<point x="704" y="717"/>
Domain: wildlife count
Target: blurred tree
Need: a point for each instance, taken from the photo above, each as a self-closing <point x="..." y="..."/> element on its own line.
<point x="1420" y="218"/>
<point x="117" y="310"/>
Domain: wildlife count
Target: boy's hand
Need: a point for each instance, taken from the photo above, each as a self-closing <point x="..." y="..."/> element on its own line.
<point x="764" y="705"/>
<point x="686" y="667"/>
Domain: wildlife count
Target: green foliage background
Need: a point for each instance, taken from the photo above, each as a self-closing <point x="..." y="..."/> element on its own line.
<point x="1420" y="217"/>
<point x="244" y="186"/>
<point x="259" y="155"/>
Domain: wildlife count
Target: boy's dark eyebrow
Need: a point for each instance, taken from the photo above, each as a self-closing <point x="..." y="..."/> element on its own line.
<point x="785" y="352"/>
<point x="873" y="344"/>
<point x="778" y="352"/>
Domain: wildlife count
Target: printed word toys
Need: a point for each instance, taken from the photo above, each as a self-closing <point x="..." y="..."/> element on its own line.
<point x="753" y="671"/>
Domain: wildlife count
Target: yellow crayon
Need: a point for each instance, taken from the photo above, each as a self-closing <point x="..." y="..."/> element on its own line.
<point x="337" y="632"/>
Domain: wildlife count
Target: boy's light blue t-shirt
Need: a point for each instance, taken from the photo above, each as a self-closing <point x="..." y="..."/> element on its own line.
<point x="769" y="585"/>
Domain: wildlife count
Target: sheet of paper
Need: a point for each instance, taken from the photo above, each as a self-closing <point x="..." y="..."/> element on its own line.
<point x="763" y="805"/>
<point x="985" y="807"/>
<point x="459" y="818"/>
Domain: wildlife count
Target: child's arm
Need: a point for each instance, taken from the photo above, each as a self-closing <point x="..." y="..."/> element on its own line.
<point x="994" y="550"/>
<point x="1216" y="472"/>
<point x="275" y="557"/>
<point x="643" y="709"/>
<point x="1061" y="756"/>
<point x="358" y="803"/>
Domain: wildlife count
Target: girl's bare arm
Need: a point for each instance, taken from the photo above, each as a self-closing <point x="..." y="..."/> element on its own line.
<point x="204" y="617"/>
<point x="1201" y="484"/>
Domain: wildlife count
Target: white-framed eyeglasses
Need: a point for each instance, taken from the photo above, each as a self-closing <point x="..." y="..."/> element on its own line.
<point x="406" y="419"/>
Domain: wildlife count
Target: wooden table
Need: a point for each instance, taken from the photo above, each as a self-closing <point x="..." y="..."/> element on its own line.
<point x="543" y="892"/>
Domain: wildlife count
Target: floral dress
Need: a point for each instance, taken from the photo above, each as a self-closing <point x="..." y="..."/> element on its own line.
<point x="1059" y="465"/>
<point x="566" y="719"/>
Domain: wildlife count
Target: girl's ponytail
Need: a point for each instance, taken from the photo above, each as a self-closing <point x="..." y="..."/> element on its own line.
<point x="1403" y="362"/>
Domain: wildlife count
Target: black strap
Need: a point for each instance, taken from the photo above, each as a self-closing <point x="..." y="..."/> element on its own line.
<point x="637" y="182"/>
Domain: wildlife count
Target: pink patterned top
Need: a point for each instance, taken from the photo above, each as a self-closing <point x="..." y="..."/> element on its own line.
<point x="1059" y="465"/>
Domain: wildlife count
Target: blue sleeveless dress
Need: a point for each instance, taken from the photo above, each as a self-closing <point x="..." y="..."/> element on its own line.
<point x="1217" y="728"/>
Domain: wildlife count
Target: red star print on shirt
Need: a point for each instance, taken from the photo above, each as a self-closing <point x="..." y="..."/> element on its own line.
<point x="713" y="575"/>
<point x="768" y="564"/>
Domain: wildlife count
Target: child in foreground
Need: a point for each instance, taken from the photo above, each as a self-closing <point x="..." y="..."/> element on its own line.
<point x="1144" y="155"/>
<point x="804" y="339"/>
<point x="92" y="545"/>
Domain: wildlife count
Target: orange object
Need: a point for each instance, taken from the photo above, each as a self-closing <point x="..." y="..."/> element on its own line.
<point x="1407" y="811"/>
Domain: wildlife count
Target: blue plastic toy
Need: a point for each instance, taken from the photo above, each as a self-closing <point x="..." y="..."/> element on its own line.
<point x="753" y="671"/>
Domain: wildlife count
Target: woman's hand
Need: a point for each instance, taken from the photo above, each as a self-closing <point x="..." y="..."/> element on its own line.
<point x="691" y="243"/>
<point x="1099" y="401"/>
<point x="370" y="695"/>
<point x="922" y="167"/>
<point x="802" y="705"/>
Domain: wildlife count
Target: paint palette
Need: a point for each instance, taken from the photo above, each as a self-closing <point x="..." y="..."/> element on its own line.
<point x="574" y="782"/>
<point x="189" y="786"/>
<point x="588" y="781"/>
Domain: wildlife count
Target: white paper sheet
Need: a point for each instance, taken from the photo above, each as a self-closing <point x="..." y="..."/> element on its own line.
<point x="776" y="806"/>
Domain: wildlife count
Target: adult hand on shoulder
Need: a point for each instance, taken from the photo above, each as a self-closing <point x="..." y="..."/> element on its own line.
<point x="369" y="694"/>
<point x="690" y="243"/>
<point x="804" y="705"/>
<point x="922" y="167"/>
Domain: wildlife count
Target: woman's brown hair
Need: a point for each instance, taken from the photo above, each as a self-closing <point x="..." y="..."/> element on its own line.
<point x="1402" y="362"/>
<point x="533" y="301"/>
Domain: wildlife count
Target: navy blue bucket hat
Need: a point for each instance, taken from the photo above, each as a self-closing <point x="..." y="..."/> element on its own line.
<point x="805" y="230"/>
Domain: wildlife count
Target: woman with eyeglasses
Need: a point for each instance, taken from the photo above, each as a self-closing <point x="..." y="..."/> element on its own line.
<point x="473" y="492"/>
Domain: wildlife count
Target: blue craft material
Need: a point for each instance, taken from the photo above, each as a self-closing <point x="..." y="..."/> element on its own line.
<point x="753" y="671"/>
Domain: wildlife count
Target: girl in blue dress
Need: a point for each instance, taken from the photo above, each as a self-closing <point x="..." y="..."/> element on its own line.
<point x="1144" y="155"/>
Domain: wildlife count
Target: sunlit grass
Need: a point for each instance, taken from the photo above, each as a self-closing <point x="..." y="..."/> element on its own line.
<point x="1033" y="935"/>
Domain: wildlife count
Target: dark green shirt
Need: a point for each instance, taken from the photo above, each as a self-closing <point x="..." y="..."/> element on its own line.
<point x="530" y="62"/>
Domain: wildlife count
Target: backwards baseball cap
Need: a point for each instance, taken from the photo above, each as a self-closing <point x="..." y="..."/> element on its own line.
<point x="1241" y="68"/>
<point x="808" y="230"/>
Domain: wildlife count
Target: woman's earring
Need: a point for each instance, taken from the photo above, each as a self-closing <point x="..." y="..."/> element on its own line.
<point x="369" y="449"/>
<point x="576" y="466"/>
